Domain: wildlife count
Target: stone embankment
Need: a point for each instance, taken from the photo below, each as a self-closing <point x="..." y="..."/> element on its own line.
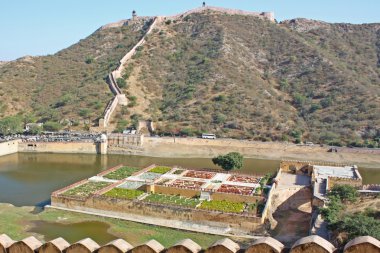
<point x="266" y="244"/>
<point x="9" y="147"/>
<point x="80" y="147"/>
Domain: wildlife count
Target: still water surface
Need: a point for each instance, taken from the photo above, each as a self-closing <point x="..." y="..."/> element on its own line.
<point x="27" y="179"/>
<point x="98" y="231"/>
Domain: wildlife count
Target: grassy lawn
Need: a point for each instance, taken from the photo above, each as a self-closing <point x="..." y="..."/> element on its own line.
<point x="15" y="221"/>
<point x="123" y="193"/>
<point x="121" y="173"/>
<point x="172" y="199"/>
<point x="224" y="206"/>
<point x="86" y="189"/>
<point x="160" y="169"/>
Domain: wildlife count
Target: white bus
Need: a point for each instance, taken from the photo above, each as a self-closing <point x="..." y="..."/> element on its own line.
<point x="208" y="136"/>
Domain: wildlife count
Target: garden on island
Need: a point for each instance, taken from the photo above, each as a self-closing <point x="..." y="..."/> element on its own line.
<point x="121" y="173"/>
<point x="173" y="200"/>
<point x="160" y="169"/>
<point x="121" y="193"/>
<point x="223" y="206"/>
<point x="194" y="180"/>
<point x="85" y="190"/>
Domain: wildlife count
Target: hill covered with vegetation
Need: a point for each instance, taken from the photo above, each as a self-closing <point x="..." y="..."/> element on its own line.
<point x="233" y="75"/>
<point x="69" y="86"/>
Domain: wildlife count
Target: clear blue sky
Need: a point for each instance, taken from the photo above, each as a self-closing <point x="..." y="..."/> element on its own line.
<point x="40" y="27"/>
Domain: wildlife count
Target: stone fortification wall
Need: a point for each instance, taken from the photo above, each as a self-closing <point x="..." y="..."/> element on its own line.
<point x="268" y="205"/>
<point x="104" y="121"/>
<point x="117" y="73"/>
<point x="100" y="204"/>
<point x="125" y="140"/>
<point x="371" y="187"/>
<point x="111" y="80"/>
<point x="309" y="244"/>
<point x="119" y="23"/>
<point x="331" y="181"/>
<point x="61" y="147"/>
<point x="123" y="22"/>
<point x="120" y="98"/>
<point x="265" y="15"/>
<point x="297" y="167"/>
<point x="9" y="147"/>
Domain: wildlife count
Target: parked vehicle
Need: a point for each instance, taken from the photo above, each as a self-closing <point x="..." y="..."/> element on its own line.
<point x="208" y="136"/>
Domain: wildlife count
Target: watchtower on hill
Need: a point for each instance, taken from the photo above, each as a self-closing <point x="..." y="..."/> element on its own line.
<point x="134" y="15"/>
<point x="204" y="4"/>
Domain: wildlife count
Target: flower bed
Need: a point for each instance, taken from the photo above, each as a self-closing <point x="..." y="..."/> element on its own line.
<point x="121" y="173"/>
<point x="235" y="189"/>
<point x="163" y="181"/>
<point x="244" y="179"/>
<point x="187" y="184"/>
<point x="160" y="169"/>
<point x="121" y="193"/>
<point x="223" y="206"/>
<point x="173" y="200"/>
<point x="200" y="174"/>
<point x="85" y="190"/>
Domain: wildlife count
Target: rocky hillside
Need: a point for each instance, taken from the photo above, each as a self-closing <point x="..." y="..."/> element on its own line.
<point x="234" y="75"/>
<point x="68" y="86"/>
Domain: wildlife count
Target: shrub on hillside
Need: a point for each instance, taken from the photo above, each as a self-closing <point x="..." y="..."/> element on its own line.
<point x="52" y="126"/>
<point x="11" y="125"/>
<point x="121" y="83"/>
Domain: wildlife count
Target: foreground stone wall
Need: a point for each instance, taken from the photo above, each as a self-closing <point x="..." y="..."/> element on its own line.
<point x="310" y="244"/>
<point x="9" y="147"/>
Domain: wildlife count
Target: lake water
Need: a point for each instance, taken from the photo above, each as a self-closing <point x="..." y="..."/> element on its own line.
<point x="98" y="231"/>
<point x="27" y="179"/>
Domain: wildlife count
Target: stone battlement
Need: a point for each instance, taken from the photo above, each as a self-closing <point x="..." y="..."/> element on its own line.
<point x="264" y="245"/>
<point x="265" y="15"/>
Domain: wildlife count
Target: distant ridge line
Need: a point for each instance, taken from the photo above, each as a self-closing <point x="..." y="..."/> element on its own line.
<point x="265" y="15"/>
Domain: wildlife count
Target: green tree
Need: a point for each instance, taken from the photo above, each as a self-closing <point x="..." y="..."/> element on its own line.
<point x="230" y="161"/>
<point x="121" y="125"/>
<point x="121" y="83"/>
<point x="52" y="126"/>
<point x="360" y="225"/>
<point x="331" y="212"/>
<point x="344" y="193"/>
<point x="11" y="125"/>
<point x="35" y="129"/>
